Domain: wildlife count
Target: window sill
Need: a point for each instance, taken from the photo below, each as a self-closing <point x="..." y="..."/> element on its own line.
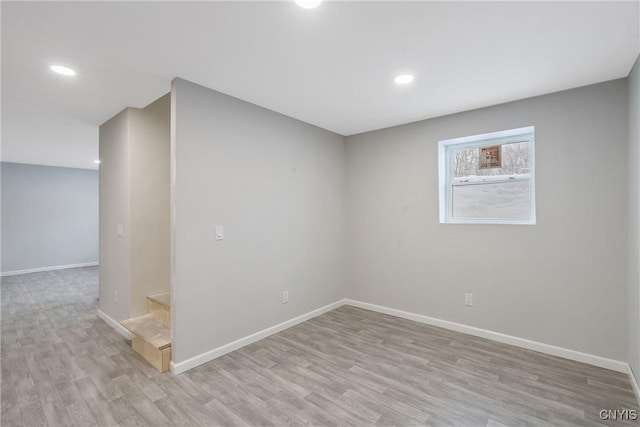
<point x="490" y="221"/>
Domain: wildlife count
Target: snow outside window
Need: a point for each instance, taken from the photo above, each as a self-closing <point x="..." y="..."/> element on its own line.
<point x="488" y="178"/>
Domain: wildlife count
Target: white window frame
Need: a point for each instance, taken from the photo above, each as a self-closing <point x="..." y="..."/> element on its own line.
<point x="446" y="181"/>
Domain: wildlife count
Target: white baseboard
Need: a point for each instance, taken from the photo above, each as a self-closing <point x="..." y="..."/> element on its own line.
<point x="55" y="267"/>
<point x="634" y="383"/>
<point x="178" y="368"/>
<point x="114" y="324"/>
<point x="578" y="356"/>
<point x="614" y="365"/>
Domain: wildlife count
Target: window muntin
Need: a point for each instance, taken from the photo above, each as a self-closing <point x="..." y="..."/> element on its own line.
<point x="496" y="194"/>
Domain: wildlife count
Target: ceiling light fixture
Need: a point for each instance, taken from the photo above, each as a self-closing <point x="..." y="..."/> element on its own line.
<point x="403" y="79"/>
<point x="62" y="70"/>
<point x="97" y="162"/>
<point x="308" y="4"/>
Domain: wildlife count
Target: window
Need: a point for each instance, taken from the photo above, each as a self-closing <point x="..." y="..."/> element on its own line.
<point x="488" y="179"/>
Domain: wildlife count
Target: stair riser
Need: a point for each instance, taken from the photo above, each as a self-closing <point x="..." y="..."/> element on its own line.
<point x="159" y="359"/>
<point x="160" y="312"/>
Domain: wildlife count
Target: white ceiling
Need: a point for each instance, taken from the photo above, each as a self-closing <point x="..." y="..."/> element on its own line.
<point x="332" y="66"/>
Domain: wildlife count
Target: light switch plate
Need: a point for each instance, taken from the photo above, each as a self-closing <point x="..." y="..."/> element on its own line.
<point x="219" y="233"/>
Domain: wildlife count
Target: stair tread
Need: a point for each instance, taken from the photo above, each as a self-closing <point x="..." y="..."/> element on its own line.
<point x="163" y="298"/>
<point x="149" y="328"/>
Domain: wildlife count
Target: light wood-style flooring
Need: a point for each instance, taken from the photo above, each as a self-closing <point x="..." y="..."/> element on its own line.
<point x="63" y="366"/>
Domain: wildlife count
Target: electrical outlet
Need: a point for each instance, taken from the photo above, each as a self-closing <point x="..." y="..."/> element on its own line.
<point x="285" y="297"/>
<point x="115" y="295"/>
<point x="468" y="300"/>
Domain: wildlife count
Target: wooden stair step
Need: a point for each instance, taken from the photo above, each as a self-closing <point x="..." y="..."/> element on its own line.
<point x="159" y="305"/>
<point x="163" y="299"/>
<point x="158" y="358"/>
<point x="151" y="336"/>
<point x="150" y="329"/>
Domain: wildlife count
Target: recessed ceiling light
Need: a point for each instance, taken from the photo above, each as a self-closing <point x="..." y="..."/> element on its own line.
<point x="97" y="162"/>
<point x="308" y="4"/>
<point x="62" y="70"/>
<point x="403" y="79"/>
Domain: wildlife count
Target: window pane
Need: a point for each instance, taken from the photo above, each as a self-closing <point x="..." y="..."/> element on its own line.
<point x="515" y="161"/>
<point x="506" y="200"/>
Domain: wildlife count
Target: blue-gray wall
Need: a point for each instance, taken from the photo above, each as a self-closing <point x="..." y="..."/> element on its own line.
<point x="49" y="216"/>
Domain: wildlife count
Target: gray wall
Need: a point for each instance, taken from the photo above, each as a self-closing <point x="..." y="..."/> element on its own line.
<point x="561" y="282"/>
<point x="634" y="218"/>
<point x="149" y="201"/>
<point x="277" y="185"/>
<point x="134" y="193"/>
<point x="49" y="216"/>
<point x="115" y="264"/>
